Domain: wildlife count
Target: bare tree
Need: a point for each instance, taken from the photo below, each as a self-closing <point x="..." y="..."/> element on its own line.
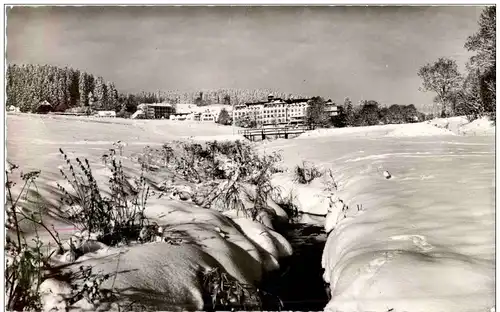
<point x="443" y="78"/>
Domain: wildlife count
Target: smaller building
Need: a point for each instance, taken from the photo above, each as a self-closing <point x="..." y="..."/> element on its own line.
<point x="13" y="109"/>
<point x="192" y="112"/>
<point x="207" y="116"/>
<point x="153" y="111"/>
<point x="181" y="116"/>
<point x="158" y="110"/>
<point x="331" y="108"/>
<point x="108" y="114"/>
<point x="43" y="108"/>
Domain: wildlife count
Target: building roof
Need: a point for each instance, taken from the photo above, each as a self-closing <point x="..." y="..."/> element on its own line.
<point x="186" y="108"/>
<point x="290" y="101"/>
<point x="256" y="103"/>
<point x="158" y="104"/>
<point x="278" y="101"/>
<point x="193" y="108"/>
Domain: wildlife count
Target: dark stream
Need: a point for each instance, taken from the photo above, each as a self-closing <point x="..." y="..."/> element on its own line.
<point x="299" y="283"/>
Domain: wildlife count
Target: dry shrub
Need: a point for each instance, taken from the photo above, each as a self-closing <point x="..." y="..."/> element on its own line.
<point x="306" y="173"/>
<point x="115" y="218"/>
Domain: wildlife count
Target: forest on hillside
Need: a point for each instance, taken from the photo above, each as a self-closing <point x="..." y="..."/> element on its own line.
<point x="64" y="88"/>
<point x="68" y="89"/>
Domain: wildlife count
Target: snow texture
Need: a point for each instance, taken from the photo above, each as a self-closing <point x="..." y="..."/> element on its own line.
<point x="420" y="241"/>
<point x="157" y="275"/>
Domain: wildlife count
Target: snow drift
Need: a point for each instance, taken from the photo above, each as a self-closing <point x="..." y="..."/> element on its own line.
<point x="436" y="127"/>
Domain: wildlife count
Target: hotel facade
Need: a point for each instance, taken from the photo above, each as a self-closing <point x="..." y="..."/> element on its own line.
<point x="277" y="111"/>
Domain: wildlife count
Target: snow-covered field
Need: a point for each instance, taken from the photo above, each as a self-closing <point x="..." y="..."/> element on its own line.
<point x="420" y="241"/>
<point x="159" y="275"/>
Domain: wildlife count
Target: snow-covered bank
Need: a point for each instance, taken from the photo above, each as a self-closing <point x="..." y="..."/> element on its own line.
<point x="420" y="241"/>
<point x="482" y="126"/>
<point x="436" y="127"/>
<point x="166" y="276"/>
<point x="461" y="126"/>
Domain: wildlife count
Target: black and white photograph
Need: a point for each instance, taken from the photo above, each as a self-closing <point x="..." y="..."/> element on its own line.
<point x="250" y="157"/>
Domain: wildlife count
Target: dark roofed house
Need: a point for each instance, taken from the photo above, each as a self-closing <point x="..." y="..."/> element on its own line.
<point x="43" y="107"/>
<point x="331" y="108"/>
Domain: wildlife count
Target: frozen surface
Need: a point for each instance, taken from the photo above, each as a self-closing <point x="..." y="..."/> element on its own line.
<point x="420" y="241"/>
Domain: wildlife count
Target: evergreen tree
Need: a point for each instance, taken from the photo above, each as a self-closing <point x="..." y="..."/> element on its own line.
<point x="349" y="111"/>
<point x="61" y="104"/>
<point x="100" y="93"/>
<point x="112" y="97"/>
<point x="483" y="63"/>
<point x="224" y="118"/>
<point x="315" y="114"/>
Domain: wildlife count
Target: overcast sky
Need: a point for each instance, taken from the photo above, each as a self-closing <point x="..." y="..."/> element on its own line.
<point x="360" y="52"/>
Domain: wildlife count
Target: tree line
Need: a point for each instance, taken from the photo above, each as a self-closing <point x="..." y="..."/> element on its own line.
<point x="68" y="89"/>
<point x="64" y="88"/>
<point x="472" y="93"/>
<point x="367" y="113"/>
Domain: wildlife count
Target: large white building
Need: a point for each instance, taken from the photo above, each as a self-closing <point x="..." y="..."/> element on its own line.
<point x="278" y="111"/>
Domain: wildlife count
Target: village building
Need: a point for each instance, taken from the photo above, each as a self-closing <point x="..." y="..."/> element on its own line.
<point x="192" y="112"/>
<point x="108" y="114"/>
<point x="153" y="111"/>
<point x="43" y="107"/>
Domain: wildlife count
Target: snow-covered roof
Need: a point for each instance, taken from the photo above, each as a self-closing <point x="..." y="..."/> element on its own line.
<point x="159" y="104"/>
<point x="192" y="108"/>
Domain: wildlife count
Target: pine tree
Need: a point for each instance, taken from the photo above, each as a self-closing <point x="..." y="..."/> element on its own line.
<point x="100" y="93"/>
<point x="82" y="89"/>
<point x="61" y="104"/>
<point x="483" y="62"/>
<point x="112" y="97"/>
<point x="349" y="111"/>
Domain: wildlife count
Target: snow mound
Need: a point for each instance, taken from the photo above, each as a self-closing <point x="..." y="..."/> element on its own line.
<point x="166" y="276"/>
<point x="451" y="123"/>
<point x="460" y="125"/>
<point x="308" y="198"/>
<point x="481" y="126"/>
<point x="418" y="129"/>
